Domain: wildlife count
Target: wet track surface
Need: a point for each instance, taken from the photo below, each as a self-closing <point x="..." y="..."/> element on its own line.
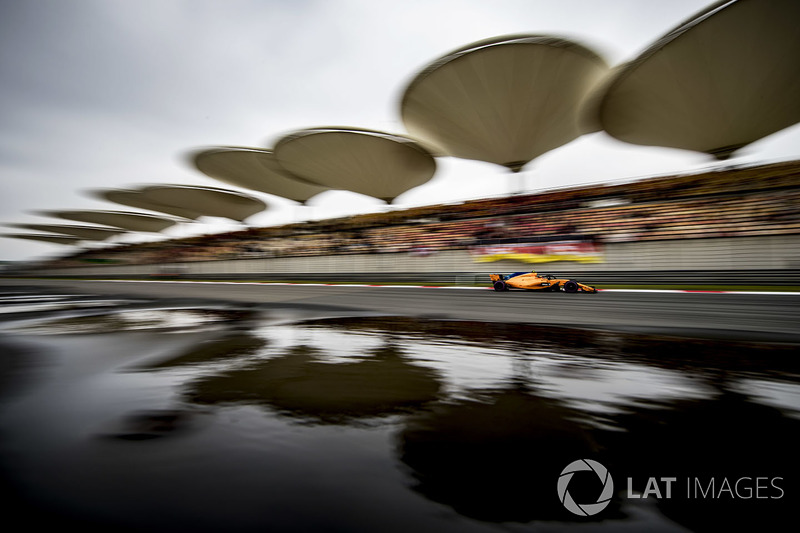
<point x="740" y="316"/>
<point x="293" y="408"/>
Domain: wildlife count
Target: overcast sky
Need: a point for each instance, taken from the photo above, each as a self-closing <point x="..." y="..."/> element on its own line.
<point x="115" y="93"/>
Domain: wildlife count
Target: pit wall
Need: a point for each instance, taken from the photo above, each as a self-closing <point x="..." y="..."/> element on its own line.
<point x="740" y="255"/>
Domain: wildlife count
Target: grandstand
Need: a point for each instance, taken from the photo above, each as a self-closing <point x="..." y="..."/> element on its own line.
<point x="756" y="202"/>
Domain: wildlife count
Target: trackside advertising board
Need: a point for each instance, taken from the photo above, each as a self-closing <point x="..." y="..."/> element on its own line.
<point x="578" y="251"/>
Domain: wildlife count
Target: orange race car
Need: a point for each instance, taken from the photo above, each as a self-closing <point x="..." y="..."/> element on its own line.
<point x="537" y="282"/>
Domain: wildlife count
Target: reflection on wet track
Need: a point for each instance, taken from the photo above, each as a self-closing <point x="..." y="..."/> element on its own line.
<point x="162" y="417"/>
<point x="301" y="384"/>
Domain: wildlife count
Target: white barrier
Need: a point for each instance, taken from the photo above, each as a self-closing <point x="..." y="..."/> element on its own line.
<point x="771" y="252"/>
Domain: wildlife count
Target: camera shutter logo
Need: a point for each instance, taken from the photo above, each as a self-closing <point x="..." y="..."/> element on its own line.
<point x="585" y="509"/>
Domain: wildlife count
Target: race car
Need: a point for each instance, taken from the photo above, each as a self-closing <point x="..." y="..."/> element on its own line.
<point x="537" y="282"/>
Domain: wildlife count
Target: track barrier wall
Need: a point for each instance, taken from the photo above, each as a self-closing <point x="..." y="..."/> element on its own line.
<point x="767" y="260"/>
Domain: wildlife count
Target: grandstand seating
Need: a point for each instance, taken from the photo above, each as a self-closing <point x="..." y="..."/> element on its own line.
<point x="761" y="200"/>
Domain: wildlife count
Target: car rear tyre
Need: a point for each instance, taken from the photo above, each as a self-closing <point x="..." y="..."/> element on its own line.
<point x="571" y="286"/>
<point x="500" y="286"/>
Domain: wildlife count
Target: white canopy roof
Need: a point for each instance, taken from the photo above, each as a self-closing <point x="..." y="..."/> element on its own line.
<point x="117" y="219"/>
<point x="504" y="100"/>
<point x="724" y="79"/>
<point x="135" y="198"/>
<point x="55" y="239"/>
<point x="207" y="201"/>
<point x="377" y="164"/>
<point x="255" y="169"/>
<point x="87" y="233"/>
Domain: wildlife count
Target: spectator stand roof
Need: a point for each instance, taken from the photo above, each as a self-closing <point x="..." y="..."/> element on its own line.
<point x="55" y="239"/>
<point x="369" y="162"/>
<point x="255" y="169"/>
<point x="207" y="201"/>
<point x="504" y="100"/>
<point x="718" y="82"/>
<point x="136" y="198"/>
<point x="87" y="233"/>
<point x="117" y="219"/>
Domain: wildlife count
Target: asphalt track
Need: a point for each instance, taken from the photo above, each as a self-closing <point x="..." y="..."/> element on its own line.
<point x="754" y="317"/>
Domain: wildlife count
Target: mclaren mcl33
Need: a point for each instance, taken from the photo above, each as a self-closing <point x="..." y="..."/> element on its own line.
<point x="537" y="282"/>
